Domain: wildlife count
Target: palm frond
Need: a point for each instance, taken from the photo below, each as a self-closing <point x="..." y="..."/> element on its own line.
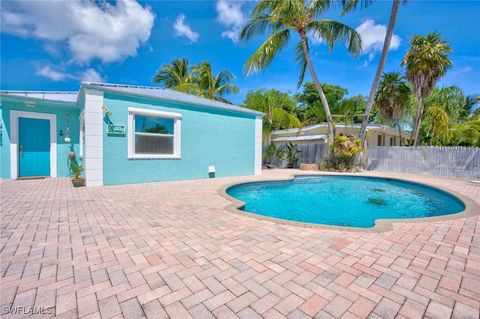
<point x="333" y="31"/>
<point x="264" y="55"/>
<point x="256" y="26"/>
<point x="226" y="89"/>
<point x="318" y="7"/>
<point x="351" y="5"/>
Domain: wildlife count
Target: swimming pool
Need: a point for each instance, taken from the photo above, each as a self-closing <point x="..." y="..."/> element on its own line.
<point x="353" y="201"/>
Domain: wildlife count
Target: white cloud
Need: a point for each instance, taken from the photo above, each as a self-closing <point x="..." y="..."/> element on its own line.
<point x="231" y="16"/>
<point x="49" y="73"/>
<point x="467" y="69"/>
<point x="373" y="36"/>
<point x="183" y="29"/>
<point x="89" y="75"/>
<point x="56" y="75"/>
<point x="90" y="29"/>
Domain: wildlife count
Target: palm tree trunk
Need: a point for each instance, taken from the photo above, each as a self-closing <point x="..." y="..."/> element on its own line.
<point x="318" y="87"/>
<point x="399" y="132"/>
<point x="418" y="121"/>
<point x="380" y="67"/>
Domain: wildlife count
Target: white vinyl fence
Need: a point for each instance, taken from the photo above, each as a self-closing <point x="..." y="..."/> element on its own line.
<point x="428" y="160"/>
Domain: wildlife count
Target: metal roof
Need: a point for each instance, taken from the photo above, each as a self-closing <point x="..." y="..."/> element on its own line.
<point x="54" y="96"/>
<point x="167" y="94"/>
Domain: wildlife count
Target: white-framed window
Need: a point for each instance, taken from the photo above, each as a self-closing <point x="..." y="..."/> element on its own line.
<point x="153" y="134"/>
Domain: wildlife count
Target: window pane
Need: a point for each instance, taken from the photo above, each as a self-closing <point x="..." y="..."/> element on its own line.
<point x="149" y="124"/>
<point x="150" y="144"/>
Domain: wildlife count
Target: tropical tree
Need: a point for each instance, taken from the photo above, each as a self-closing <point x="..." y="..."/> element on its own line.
<point x="451" y="99"/>
<point x="392" y="97"/>
<point x="198" y="79"/>
<point x="278" y="108"/>
<point x="466" y="133"/>
<point x="470" y="108"/>
<point x="349" y="5"/>
<point x="176" y="75"/>
<point x="425" y="63"/>
<point x="279" y="18"/>
<point x="437" y="125"/>
<point x="207" y="84"/>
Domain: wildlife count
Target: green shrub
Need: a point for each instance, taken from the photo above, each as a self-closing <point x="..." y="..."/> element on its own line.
<point x="343" y="152"/>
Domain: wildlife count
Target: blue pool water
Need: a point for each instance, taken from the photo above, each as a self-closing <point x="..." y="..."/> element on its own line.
<point x="344" y="200"/>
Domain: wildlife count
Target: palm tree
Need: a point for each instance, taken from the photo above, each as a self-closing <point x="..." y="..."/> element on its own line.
<point x="425" y="63"/>
<point x="175" y="75"/>
<point x="349" y="5"/>
<point x="438" y="125"/>
<point x="211" y="86"/>
<point x="392" y="97"/>
<point x="275" y="105"/>
<point x="470" y="107"/>
<point x="279" y="18"/>
<point x="450" y="98"/>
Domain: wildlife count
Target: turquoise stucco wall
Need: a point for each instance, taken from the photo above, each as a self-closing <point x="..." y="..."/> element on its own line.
<point x="223" y="139"/>
<point x="63" y="168"/>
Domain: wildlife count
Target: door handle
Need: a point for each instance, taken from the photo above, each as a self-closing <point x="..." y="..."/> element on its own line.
<point x="21" y="150"/>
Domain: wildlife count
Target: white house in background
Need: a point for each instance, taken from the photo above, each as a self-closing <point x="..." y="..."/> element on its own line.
<point x="377" y="135"/>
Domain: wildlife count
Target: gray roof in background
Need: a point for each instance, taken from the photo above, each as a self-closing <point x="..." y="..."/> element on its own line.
<point x="167" y="94"/>
<point x="55" y="96"/>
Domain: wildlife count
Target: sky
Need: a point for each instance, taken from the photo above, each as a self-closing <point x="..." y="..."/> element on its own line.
<point x="54" y="45"/>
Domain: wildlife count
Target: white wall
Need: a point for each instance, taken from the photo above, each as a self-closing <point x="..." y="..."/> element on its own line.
<point x="93" y="157"/>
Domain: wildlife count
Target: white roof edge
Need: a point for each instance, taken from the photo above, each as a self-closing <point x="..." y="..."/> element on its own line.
<point x="314" y="126"/>
<point x="207" y="103"/>
<point x="299" y="138"/>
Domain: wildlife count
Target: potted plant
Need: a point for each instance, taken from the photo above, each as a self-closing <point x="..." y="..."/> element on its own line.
<point x="291" y="153"/>
<point x="77" y="170"/>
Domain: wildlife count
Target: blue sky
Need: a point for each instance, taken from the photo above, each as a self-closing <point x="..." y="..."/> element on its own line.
<point x="53" y="45"/>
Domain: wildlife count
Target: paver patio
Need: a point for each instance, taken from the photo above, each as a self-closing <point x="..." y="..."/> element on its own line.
<point x="171" y="250"/>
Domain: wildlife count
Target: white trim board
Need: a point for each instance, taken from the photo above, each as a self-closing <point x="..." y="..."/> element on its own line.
<point x="14" y="116"/>
<point x="258" y="145"/>
<point x="93" y="133"/>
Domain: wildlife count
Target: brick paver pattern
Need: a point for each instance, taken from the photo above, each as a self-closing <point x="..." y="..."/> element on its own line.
<point x="170" y="249"/>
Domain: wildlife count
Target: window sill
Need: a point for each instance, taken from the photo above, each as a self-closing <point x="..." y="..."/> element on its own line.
<point x="151" y="157"/>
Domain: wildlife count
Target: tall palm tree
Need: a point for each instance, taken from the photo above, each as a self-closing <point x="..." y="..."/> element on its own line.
<point x="425" y="63"/>
<point x="349" y="5"/>
<point x="279" y="18"/>
<point x="175" y="75"/>
<point x="392" y="97"/>
<point x="211" y="86"/>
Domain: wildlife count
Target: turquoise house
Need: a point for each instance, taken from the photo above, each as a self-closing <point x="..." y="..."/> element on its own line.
<point x="125" y="134"/>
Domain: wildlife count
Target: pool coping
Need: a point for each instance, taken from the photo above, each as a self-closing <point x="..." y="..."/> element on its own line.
<point x="381" y="225"/>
